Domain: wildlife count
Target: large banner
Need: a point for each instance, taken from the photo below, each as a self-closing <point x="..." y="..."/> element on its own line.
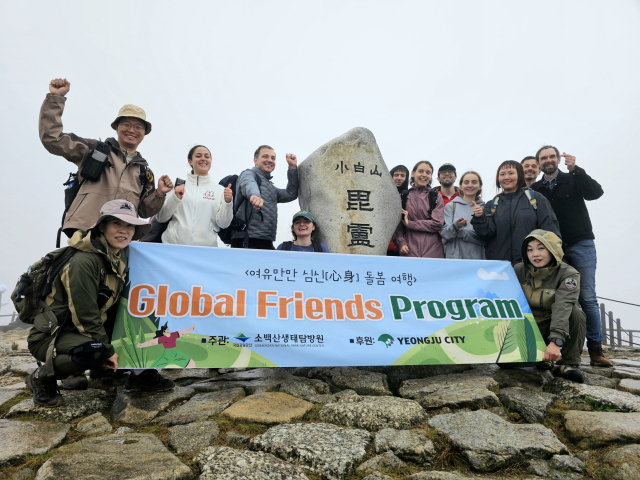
<point x="216" y="307"/>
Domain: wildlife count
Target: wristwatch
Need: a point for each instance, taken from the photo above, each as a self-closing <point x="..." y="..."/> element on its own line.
<point x="557" y="341"/>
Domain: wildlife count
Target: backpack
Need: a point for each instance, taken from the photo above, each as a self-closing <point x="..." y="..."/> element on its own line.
<point x="36" y="284"/>
<point x="433" y="199"/>
<point x="317" y="246"/>
<point x="237" y="223"/>
<point x="527" y="191"/>
<point x="154" y="235"/>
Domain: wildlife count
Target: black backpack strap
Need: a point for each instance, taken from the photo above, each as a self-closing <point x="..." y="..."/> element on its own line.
<point x="433" y="199"/>
<point x="404" y="196"/>
<point x="317" y="246"/>
<point x="286" y="246"/>
<point x="55" y="270"/>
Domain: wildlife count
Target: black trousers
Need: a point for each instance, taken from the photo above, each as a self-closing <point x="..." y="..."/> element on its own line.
<point x="254" y="243"/>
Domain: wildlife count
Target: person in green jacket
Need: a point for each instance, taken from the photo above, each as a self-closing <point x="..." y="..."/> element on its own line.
<point x="86" y="288"/>
<point x="552" y="289"/>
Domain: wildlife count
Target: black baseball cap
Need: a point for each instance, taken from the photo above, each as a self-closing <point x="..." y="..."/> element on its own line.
<point x="445" y="167"/>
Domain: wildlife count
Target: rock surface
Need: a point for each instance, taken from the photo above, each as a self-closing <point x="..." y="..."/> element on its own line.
<point x="311" y="390"/>
<point x="396" y="374"/>
<point x="94" y="424"/>
<point x="489" y="442"/>
<point x="346" y="185"/>
<point x="410" y="445"/>
<point x="139" y="408"/>
<point x="327" y="450"/>
<point x="77" y="403"/>
<point x="223" y="463"/>
<point x="386" y="461"/>
<point x="29" y="438"/>
<point x="362" y="382"/>
<point x="596" y="429"/>
<point x="453" y="391"/>
<point x="120" y="454"/>
<point x="630" y="385"/>
<point x="201" y="406"/>
<point x="624" y="372"/>
<point x="374" y="413"/>
<point x="236" y="439"/>
<point x="568" y="391"/>
<point x="532" y="406"/>
<point x="258" y="380"/>
<point x="621" y="464"/>
<point x="7" y="395"/>
<point x="268" y="408"/>
<point x="192" y="437"/>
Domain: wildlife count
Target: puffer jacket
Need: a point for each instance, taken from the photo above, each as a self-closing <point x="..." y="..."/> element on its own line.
<point x="421" y="234"/>
<point x="197" y="218"/>
<point x="461" y="242"/>
<point x="75" y="289"/>
<point x="131" y="181"/>
<point x="263" y="223"/>
<point x="512" y="221"/>
<point x="552" y="292"/>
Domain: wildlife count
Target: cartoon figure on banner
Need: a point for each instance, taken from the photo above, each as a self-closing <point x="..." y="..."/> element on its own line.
<point x="171" y="356"/>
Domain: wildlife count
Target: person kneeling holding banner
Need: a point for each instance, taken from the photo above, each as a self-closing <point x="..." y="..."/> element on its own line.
<point x="552" y="289"/>
<point x="71" y="334"/>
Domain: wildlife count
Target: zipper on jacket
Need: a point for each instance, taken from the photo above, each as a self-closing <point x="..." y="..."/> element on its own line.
<point x="195" y="204"/>
<point x="541" y="299"/>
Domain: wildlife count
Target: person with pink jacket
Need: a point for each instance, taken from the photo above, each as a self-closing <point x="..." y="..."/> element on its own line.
<point x="422" y="217"/>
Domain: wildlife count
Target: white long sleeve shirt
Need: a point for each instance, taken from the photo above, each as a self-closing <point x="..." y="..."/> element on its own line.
<point x="197" y="218"/>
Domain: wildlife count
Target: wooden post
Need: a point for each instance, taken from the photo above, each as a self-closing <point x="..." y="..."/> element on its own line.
<point x="13" y="317"/>
<point x="611" y="330"/>
<point x="619" y="332"/>
<point x="603" y="321"/>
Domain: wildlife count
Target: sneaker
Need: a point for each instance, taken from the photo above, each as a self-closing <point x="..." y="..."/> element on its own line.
<point x="597" y="357"/>
<point x="45" y="392"/>
<point x="548" y="365"/>
<point x="148" y="380"/>
<point x="571" y="372"/>
<point x="75" y="382"/>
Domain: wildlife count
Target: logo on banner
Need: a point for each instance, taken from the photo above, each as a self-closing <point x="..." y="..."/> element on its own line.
<point x="241" y="336"/>
<point x="386" y="339"/>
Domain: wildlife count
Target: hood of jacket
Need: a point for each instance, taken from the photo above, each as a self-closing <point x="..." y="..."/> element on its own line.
<point x="551" y="242"/>
<point x="405" y="184"/>
<point x="89" y="242"/>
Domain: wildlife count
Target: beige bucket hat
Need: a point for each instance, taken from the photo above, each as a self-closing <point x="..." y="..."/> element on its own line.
<point x="126" y="212"/>
<point x="135" y="112"/>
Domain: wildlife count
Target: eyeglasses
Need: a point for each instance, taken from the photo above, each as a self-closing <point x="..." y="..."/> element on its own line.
<point x="447" y="172"/>
<point x="137" y="127"/>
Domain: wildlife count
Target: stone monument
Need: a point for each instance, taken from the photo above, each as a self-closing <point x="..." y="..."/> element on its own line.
<point x="347" y="187"/>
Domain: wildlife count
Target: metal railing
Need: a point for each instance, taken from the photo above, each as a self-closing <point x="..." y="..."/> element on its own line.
<point x="613" y="334"/>
<point x="14" y="317"/>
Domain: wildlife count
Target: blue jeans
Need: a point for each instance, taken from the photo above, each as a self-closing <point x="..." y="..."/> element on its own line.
<point x="582" y="257"/>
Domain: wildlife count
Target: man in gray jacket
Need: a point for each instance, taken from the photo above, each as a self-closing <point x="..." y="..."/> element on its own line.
<point x="262" y="219"/>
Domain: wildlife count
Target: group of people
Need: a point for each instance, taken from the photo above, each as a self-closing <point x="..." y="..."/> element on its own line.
<point x="115" y="186"/>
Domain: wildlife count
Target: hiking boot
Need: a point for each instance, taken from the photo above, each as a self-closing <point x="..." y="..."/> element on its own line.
<point x="597" y="357"/>
<point x="45" y="392"/>
<point x="571" y="372"/>
<point x="548" y="365"/>
<point x="75" y="382"/>
<point x="149" y="380"/>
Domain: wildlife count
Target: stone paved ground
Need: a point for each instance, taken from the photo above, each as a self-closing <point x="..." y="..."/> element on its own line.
<point x="479" y="422"/>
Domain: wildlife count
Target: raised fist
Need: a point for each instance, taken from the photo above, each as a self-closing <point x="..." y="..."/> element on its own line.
<point x="292" y="160"/>
<point x="59" y="87"/>
<point x="164" y="185"/>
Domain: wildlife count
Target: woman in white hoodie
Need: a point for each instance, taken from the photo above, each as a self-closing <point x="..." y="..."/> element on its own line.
<point x="199" y="208"/>
<point x="459" y="239"/>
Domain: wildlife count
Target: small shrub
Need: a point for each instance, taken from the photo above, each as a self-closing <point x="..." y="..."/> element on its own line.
<point x="14" y="346"/>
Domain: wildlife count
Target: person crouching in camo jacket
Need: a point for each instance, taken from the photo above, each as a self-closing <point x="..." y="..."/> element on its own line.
<point x="85" y="289"/>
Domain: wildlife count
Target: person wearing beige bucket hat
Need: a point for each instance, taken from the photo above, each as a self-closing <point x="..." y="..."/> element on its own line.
<point x="120" y="172"/>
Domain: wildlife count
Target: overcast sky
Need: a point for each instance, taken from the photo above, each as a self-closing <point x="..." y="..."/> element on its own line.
<point x="467" y="82"/>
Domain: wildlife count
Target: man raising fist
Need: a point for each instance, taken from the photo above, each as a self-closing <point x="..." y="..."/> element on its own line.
<point x="122" y="174"/>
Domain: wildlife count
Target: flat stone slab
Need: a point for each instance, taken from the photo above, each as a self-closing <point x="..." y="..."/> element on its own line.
<point x="374" y="413"/>
<point x="625" y="362"/>
<point x="532" y="406"/>
<point x="236" y="439"/>
<point x="139" y="408"/>
<point x="23" y="369"/>
<point x="596" y="429"/>
<point x="224" y="463"/>
<point x="201" y="406"/>
<point x="94" y="424"/>
<point x="186" y="376"/>
<point x="603" y="372"/>
<point x="324" y="449"/>
<point x="600" y="381"/>
<point x="77" y="404"/>
<point x="386" y="461"/>
<point x="453" y="391"/>
<point x="568" y="391"/>
<point x="257" y="380"/>
<point x="192" y="437"/>
<point x="133" y="455"/>
<point x="621" y="464"/>
<point x="377" y="476"/>
<point x="18" y="439"/>
<point x="7" y="395"/>
<point x="490" y="443"/>
<point x="630" y="385"/>
<point x="413" y="445"/>
<point x="563" y="467"/>
<point x="311" y="390"/>
<point x="625" y="372"/>
<point x="396" y="374"/>
<point x="361" y="381"/>
<point x="269" y="408"/>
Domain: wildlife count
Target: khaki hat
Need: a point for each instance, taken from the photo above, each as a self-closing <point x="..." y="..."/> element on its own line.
<point x="126" y="212"/>
<point x="135" y="112"/>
